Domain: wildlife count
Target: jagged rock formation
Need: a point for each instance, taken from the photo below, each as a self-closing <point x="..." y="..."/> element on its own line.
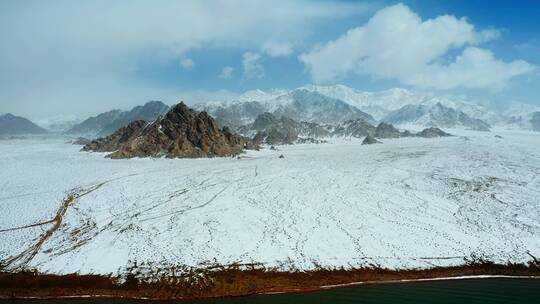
<point x="106" y="123"/>
<point x="432" y="132"/>
<point x="275" y="137"/>
<point x="369" y="140"/>
<point x="16" y="125"/>
<point x="386" y="130"/>
<point x="180" y="133"/>
<point x="116" y="140"/>
<point x="268" y="129"/>
<point x="435" y="116"/>
<point x="360" y="128"/>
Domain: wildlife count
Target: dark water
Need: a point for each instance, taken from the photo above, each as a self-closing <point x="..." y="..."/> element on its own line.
<point x="491" y="291"/>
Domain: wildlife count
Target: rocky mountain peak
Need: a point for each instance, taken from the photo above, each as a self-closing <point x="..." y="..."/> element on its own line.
<point x="181" y="132"/>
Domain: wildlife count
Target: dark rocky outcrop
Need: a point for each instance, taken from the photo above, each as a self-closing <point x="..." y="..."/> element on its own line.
<point x="16" y="125"/>
<point x="369" y="140"/>
<point x="181" y="132"/>
<point x="432" y="132"/>
<point x="386" y="130"/>
<point x="275" y="137"/>
<point x="354" y="128"/>
<point x="273" y="131"/>
<point x="107" y="123"/>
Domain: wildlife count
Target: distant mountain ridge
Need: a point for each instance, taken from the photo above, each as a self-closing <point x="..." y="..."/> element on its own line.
<point x="435" y="116"/>
<point x="269" y="129"/>
<point x="107" y="123"/>
<point x="299" y="104"/>
<point x="16" y="125"/>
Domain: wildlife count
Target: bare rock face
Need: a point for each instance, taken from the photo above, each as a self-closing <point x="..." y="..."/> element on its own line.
<point x="116" y="140"/>
<point x="180" y="133"/>
<point x="369" y="140"/>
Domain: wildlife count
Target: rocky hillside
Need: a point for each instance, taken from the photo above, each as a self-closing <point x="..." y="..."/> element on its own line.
<point x="359" y="128"/>
<point x="106" y="123"/>
<point x="16" y="125"/>
<point x="181" y="132"/>
<point x="435" y="116"/>
<point x="271" y="130"/>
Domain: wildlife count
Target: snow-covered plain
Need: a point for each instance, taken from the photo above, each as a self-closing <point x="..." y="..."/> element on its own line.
<point x="406" y="203"/>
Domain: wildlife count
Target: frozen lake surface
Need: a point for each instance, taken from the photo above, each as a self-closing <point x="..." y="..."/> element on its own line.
<point x="410" y="202"/>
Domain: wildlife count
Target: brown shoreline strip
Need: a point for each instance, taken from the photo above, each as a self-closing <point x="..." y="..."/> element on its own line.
<point x="237" y="282"/>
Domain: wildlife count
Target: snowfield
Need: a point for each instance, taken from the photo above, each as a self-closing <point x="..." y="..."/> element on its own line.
<point x="406" y="203"/>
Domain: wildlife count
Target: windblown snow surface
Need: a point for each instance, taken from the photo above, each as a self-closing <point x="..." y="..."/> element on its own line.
<point x="406" y="203"/>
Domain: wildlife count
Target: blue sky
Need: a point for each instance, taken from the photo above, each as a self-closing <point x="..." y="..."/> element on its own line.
<point x="70" y="57"/>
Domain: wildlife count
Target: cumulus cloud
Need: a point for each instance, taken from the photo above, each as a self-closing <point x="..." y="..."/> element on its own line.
<point x="252" y="66"/>
<point x="187" y="63"/>
<point x="226" y="72"/>
<point x="397" y="44"/>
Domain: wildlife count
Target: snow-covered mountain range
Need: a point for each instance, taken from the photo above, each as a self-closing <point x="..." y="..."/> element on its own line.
<point x="58" y="123"/>
<point x="338" y="103"/>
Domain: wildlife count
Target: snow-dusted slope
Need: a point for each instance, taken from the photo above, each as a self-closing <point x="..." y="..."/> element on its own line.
<point x="336" y="204"/>
<point x="435" y="115"/>
<point x="523" y="116"/>
<point x="379" y="104"/>
<point x="58" y="123"/>
<point x="299" y="104"/>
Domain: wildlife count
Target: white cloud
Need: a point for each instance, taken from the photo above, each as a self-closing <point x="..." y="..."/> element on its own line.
<point x="252" y="66"/>
<point x="226" y="72"/>
<point x="187" y="63"/>
<point x="277" y="49"/>
<point x="474" y="68"/>
<point x="395" y="43"/>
